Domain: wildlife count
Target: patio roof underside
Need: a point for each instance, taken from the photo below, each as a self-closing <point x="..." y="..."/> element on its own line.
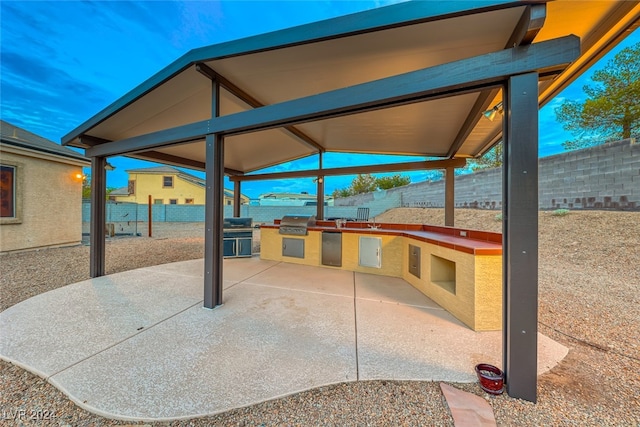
<point x="347" y="51"/>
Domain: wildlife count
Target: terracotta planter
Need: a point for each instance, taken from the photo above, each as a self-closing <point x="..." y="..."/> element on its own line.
<point x="491" y="378"/>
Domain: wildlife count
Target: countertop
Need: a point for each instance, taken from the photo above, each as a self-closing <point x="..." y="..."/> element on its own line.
<point x="469" y="241"/>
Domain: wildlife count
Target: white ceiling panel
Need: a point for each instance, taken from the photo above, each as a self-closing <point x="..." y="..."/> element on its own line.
<point x="347" y="51"/>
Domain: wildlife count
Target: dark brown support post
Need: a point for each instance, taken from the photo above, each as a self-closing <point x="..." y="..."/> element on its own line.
<point x="150" y="209"/>
<point x="520" y="236"/>
<point x="98" y="216"/>
<point x="236" y="199"/>
<point x="449" y="193"/>
<point x="214" y="210"/>
<point x="320" y="191"/>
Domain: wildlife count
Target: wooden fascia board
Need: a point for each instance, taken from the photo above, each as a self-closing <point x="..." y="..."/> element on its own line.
<point x="440" y="81"/>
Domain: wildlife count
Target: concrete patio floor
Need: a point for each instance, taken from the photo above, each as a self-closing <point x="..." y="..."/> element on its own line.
<point x="138" y="345"/>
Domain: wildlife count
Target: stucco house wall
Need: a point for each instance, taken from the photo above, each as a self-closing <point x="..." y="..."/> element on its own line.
<point x="48" y="188"/>
<point x="149" y="181"/>
<point x="151" y="184"/>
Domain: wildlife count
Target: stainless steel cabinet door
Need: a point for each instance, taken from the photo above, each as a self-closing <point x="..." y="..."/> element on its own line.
<point x="370" y="252"/>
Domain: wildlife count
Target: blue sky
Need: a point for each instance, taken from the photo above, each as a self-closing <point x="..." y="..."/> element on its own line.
<point x="64" y="61"/>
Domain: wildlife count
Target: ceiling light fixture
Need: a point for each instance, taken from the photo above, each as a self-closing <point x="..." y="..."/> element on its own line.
<point x="491" y="114"/>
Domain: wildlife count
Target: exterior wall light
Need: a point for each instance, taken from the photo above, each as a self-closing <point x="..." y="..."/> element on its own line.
<point x="491" y="114"/>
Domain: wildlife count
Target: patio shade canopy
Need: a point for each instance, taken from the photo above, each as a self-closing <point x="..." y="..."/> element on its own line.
<point x="413" y="78"/>
<point x="344" y="52"/>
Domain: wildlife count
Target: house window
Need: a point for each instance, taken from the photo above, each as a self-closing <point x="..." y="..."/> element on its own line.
<point x="188" y="201"/>
<point x="173" y="201"/>
<point x="8" y="191"/>
<point x="167" y="182"/>
<point x="131" y="187"/>
<point x="158" y="201"/>
<point x="11" y="185"/>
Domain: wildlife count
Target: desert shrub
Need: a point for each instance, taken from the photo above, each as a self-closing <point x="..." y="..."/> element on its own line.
<point x="560" y="212"/>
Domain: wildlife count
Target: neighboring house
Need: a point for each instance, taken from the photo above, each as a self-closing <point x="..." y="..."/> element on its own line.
<point x="167" y="186"/>
<point x="292" y="199"/>
<point x="40" y="191"/>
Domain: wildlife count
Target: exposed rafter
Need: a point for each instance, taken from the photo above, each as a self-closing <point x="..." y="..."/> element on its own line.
<point x="529" y="26"/>
<point x="253" y="102"/>
<point x="90" y="141"/>
<point x="525" y="32"/>
<point x="170" y="159"/>
<point x="482" y="104"/>
<point x="490" y="141"/>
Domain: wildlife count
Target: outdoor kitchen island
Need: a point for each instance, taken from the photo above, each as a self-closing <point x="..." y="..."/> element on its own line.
<point x="459" y="269"/>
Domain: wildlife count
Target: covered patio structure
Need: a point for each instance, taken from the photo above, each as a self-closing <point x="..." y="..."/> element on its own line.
<point x="412" y="78"/>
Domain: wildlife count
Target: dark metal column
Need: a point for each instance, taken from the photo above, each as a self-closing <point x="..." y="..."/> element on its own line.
<point x="236" y="199"/>
<point x="214" y="210"/>
<point x="449" y="192"/>
<point x="520" y="236"/>
<point x="98" y="217"/>
<point x="320" y="191"/>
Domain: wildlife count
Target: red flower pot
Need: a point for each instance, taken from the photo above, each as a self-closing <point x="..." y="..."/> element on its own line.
<point x="491" y="378"/>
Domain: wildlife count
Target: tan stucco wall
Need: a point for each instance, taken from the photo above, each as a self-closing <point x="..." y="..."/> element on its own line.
<point x="477" y="298"/>
<point x="51" y="198"/>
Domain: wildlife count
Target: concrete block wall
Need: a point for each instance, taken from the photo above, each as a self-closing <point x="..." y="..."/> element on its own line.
<point x="121" y="213"/>
<point x="602" y="177"/>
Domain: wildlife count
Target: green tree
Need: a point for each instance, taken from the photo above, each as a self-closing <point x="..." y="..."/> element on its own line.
<point x="341" y="192"/>
<point x="363" y="183"/>
<point x="366" y="183"/>
<point x="612" y="108"/>
<point x="387" y="182"/>
<point x="86" y="188"/>
<point x="490" y="159"/>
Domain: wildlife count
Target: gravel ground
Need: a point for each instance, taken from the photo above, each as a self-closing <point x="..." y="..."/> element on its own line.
<point x="589" y="302"/>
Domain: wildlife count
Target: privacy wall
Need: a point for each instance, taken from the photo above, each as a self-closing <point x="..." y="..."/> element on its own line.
<point x="602" y="177"/>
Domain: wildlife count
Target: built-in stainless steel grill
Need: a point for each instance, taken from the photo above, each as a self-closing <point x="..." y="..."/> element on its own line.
<point x="296" y="225"/>
<point x="237" y="237"/>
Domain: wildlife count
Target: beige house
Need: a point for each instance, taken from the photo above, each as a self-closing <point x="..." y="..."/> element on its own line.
<point x="40" y="191"/>
<point x="167" y="186"/>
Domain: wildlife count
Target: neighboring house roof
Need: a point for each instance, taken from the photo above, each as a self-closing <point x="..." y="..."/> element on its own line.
<point x="18" y="137"/>
<point x="122" y="191"/>
<point x="164" y="170"/>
